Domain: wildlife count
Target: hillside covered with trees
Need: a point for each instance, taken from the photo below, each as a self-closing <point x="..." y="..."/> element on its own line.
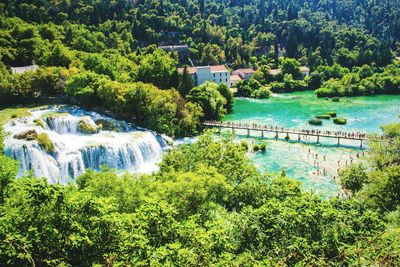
<point x="89" y="51"/>
<point x="208" y="205"/>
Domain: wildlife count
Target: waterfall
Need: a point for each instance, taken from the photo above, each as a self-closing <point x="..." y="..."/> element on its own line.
<point x="75" y="151"/>
<point x="63" y="124"/>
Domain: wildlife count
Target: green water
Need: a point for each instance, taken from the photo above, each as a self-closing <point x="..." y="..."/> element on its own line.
<point x="315" y="165"/>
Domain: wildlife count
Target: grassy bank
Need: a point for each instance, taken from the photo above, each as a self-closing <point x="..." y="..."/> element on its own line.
<point x="8" y="113"/>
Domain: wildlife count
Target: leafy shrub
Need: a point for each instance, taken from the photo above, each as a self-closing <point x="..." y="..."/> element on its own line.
<point x="263" y="92"/>
<point x="340" y="121"/>
<point x="324" y="117"/>
<point x="332" y="114"/>
<point x="244" y="145"/>
<point x="263" y="147"/>
<point x="315" y="122"/>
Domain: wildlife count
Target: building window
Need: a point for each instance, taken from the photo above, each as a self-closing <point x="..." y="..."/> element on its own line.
<point x="226" y="79"/>
<point x="214" y="74"/>
<point x="220" y="74"/>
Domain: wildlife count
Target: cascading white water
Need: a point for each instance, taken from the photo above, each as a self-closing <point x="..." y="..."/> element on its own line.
<point x="65" y="124"/>
<point x="75" y="150"/>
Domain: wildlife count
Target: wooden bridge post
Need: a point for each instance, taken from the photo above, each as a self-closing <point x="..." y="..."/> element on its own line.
<point x="317" y="139"/>
<point x="338" y="141"/>
<point x="361" y="143"/>
<point x="276" y="135"/>
<point x="233" y="129"/>
<point x="262" y="134"/>
<point x="248" y="132"/>
<point x="299" y="138"/>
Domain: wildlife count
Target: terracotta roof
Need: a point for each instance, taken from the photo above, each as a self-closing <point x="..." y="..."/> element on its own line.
<point x="245" y="71"/>
<point x="218" y="68"/>
<point x="274" y="71"/>
<point x="235" y="77"/>
<point x="192" y="70"/>
<point x="304" y="69"/>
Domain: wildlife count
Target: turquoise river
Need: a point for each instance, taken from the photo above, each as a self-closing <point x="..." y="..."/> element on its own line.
<point x="316" y="166"/>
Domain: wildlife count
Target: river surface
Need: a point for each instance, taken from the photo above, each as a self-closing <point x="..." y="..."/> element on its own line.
<point x="139" y="150"/>
<point x="315" y="165"/>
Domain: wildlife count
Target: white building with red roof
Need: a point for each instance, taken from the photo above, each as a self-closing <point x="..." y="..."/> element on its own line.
<point x="235" y="79"/>
<point x="244" y="74"/>
<point x="218" y="74"/>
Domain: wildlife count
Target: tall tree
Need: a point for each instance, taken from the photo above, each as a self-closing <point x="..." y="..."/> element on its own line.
<point x="186" y="82"/>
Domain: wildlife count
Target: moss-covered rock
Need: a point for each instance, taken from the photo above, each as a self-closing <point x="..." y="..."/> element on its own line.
<point x="28" y="135"/>
<point x="340" y="121"/>
<point x="332" y="114"/>
<point x="315" y="122"/>
<point x="106" y="125"/>
<point x="256" y="148"/>
<point x="54" y="115"/>
<point x="324" y="117"/>
<point x="244" y="145"/>
<point x="263" y="147"/>
<point x="85" y="126"/>
<point x="39" y="122"/>
<point x="45" y="142"/>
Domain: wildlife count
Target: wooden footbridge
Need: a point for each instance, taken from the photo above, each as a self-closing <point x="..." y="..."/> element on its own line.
<point x="357" y="136"/>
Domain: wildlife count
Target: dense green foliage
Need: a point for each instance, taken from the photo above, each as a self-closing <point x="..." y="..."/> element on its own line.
<point x="353" y="177"/>
<point x="340" y="121"/>
<point x="209" y="97"/>
<point x="360" y="81"/>
<point x="381" y="186"/>
<point x="118" y="40"/>
<point x="252" y="88"/>
<point x="208" y="205"/>
<point x="344" y="31"/>
<point x="137" y="86"/>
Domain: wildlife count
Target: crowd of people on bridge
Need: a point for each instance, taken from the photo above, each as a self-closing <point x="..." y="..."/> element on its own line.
<point x="254" y="126"/>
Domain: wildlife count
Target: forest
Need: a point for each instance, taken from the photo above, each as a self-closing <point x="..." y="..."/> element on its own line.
<point x="208" y="204"/>
<point x="119" y="40"/>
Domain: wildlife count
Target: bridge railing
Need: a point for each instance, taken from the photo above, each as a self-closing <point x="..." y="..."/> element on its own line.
<point x="315" y="132"/>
